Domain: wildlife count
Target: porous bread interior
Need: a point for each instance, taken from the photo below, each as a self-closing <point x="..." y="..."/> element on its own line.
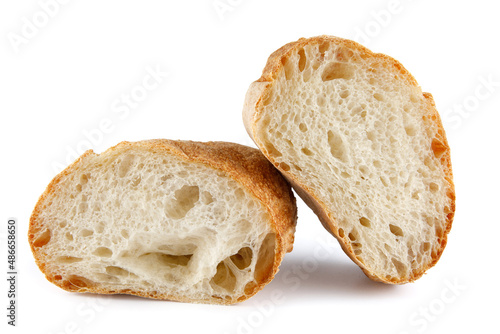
<point x="354" y="133"/>
<point x="155" y="224"/>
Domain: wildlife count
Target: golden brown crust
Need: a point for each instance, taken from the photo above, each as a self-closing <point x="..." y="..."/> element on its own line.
<point x="253" y="106"/>
<point x="243" y="164"/>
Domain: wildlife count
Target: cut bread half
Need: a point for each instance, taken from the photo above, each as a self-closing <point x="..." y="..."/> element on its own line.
<point x="185" y="221"/>
<point x="363" y="146"/>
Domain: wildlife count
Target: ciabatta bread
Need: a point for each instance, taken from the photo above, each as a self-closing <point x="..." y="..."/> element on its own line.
<point x="363" y="146"/>
<point x="185" y="221"/>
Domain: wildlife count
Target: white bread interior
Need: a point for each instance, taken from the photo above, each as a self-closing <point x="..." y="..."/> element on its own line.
<point x="363" y="146"/>
<point x="132" y="220"/>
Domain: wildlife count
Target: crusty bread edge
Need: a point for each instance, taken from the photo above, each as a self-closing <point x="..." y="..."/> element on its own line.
<point x="245" y="165"/>
<point x="253" y="106"/>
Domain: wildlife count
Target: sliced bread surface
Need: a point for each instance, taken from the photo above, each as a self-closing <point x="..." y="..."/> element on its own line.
<point x="178" y="220"/>
<point x="363" y="146"/>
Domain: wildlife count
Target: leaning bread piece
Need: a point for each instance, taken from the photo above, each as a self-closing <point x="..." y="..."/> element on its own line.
<point x="363" y="146"/>
<point x="178" y="220"/>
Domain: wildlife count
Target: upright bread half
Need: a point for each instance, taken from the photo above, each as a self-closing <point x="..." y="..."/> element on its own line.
<point x="363" y="146"/>
<point x="178" y="220"/>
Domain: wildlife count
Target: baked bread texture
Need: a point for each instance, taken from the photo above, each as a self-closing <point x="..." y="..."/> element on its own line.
<point x="177" y="220"/>
<point x="363" y="146"/>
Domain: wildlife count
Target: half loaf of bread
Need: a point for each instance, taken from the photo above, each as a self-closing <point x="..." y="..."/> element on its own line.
<point x="178" y="220"/>
<point x="363" y="146"/>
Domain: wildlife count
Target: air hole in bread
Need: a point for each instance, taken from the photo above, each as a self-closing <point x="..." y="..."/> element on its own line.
<point x="400" y="267"/>
<point x="378" y="97"/>
<point x="320" y="101"/>
<point x="85" y="233"/>
<point x="135" y="182"/>
<point x="118" y="271"/>
<point x="164" y="178"/>
<point x="365" y="222"/>
<point x="425" y="247"/>
<point x="243" y="258"/>
<point x="364" y="170"/>
<point x="394" y="180"/>
<point x="43" y="239"/>
<point x="302" y="60"/>
<point x="357" y="110"/>
<point x="396" y="230"/>
<point x="99" y="227"/>
<point x="239" y="193"/>
<point x="336" y="70"/>
<point x="410" y="130"/>
<point x="429" y="162"/>
<point x="288" y="66"/>
<point x="302" y="127"/>
<point x="344" y="94"/>
<point x="162" y="259"/>
<point x="352" y="236"/>
<point x="206" y="198"/>
<point x="345" y="175"/>
<point x="341" y="233"/>
<point x="125" y="165"/>
<point x="68" y="259"/>
<point x="78" y="187"/>
<point x="178" y="248"/>
<point x="83" y="207"/>
<point x="185" y="199"/>
<point x="68" y="236"/>
<point x="371" y="135"/>
<point x="125" y="234"/>
<point x="272" y="150"/>
<point x="75" y="282"/>
<point x="306" y="151"/>
<point x="265" y="259"/>
<point x="103" y="252"/>
<point x="250" y="287"/>
<point x="433" y="187"/>
<point x="430" y="221"/>
<point x="224" y="278"/>
<point x="284" y="166"/>
<point x="288" y="142"/>
<point x="377" y="164"/>
<point x="105" y="278"/>
<point x="439" y="231"/>
<point x="438" y="148"/>
<point x="322" y="48"/>
<point x="84" y="178"/>
<point x="344" y="54"/>
<point x="337" y="148"/>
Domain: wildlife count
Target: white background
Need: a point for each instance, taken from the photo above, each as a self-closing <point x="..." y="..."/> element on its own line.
<point x="67" y="76"/>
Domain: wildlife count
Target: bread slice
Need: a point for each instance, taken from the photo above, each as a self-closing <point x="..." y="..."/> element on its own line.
<point x="363" y="146"/>
<point x="185" y="221"/>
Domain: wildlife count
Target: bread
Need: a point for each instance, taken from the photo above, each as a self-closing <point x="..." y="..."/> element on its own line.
<point x="178" y="220"/>
<point x="363" y="146"/>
